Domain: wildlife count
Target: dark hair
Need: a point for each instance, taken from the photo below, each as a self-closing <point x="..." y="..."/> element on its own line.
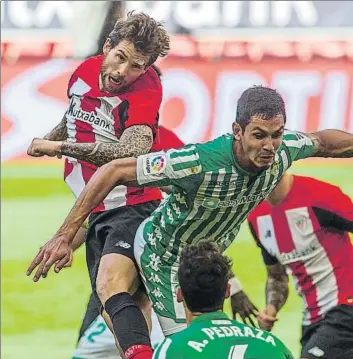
<point x="147" y="35"/>
<point x="203" y="276"/>
<point x="260" y="101"/>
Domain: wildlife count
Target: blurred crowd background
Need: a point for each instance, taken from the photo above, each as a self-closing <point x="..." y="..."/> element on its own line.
<point x="304" y="49"/>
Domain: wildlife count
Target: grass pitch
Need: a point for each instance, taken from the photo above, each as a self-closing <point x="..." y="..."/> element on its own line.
<point x="41" y="320"/>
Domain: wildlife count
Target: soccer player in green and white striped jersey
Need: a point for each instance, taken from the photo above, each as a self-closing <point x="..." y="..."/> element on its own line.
<point x="216" y="184"/>
<point x="211" y="334"/>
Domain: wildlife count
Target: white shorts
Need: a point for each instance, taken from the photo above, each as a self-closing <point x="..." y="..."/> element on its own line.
<point x="98" y="341"/>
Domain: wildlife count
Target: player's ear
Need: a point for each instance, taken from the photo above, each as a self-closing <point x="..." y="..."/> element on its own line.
<point x="179" y="295"/>
<point x="228" y="290"/>
<point x="107" y="46"/>
<point x="237" y="131"/>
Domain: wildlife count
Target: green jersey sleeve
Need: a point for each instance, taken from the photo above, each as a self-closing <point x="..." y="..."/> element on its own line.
<point x="158" y="169"/>
<point x="166" y="350"/>
<point x="298" y="145"/>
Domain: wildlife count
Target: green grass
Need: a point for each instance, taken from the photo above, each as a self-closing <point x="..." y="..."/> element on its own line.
<point x="40" y="320"/>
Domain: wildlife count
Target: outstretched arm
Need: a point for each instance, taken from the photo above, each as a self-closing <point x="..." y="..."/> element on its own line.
<point x="135" y="140"/>
<point x="58" y="250"/>
<point x="117" y="172"/>
<point x="332" y="143"/>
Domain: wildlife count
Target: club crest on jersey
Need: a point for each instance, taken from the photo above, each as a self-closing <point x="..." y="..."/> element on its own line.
<point x="154" y="164"/>
<point x="301" y="224"/>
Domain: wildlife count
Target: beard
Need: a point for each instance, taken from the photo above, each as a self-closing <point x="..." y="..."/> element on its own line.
<point x="109" y="83"/>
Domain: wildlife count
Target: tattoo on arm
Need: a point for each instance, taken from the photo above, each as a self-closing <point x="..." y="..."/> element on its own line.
<point x="59" y="132"/>
<point x="135" y="140"/>
<point x="332" y="143"/>
<point x="276" y="286"/>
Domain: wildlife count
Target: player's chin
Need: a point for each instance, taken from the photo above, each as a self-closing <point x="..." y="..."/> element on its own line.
<point x="264" y="164"/>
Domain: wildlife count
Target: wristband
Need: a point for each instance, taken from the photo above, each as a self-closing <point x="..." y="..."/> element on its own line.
<point x="235" y="286"/>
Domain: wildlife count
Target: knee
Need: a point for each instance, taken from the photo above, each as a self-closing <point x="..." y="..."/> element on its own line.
<point x="114" y="276"/>
<point x="109" y="284"/>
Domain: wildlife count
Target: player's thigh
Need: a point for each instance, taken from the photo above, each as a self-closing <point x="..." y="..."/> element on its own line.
<point x="160" y="279"/>
<point x="333" y="337"/>
<point x="117" y="269"/>
<point x="97" y="342"/>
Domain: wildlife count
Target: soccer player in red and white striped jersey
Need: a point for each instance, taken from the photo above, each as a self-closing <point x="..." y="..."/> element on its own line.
<point x="302" y="229"/>
<point x="113" y="113"/>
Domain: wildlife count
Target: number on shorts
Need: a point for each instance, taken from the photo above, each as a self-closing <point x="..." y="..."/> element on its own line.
<point x="100" y="328"/>
<point x="237" y="351"/>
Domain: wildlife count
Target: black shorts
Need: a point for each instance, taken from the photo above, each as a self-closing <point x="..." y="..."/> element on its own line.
<point x="331" y="337"/>
<point x="113" y="231"/>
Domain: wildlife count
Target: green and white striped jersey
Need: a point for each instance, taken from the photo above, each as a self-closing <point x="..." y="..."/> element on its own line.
<point x="212" y="195"/>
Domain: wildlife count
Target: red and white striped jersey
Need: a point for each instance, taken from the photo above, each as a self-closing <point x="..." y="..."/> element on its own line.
<point x="308" y="233"/>
<point x="96" y="116"/>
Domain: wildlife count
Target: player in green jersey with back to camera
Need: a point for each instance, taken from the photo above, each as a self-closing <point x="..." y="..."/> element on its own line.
<point x="203" y="287"/>
<point x="215" y="186"/>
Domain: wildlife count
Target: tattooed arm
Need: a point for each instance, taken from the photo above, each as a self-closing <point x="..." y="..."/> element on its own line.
<point x="135" y="140"/>
<point x="276" y="295"/>
<point x="276" y="286"/>
<point x="59" y="132"/>
<point x="332" y="143"/>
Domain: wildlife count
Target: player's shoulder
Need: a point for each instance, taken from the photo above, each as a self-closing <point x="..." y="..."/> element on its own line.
<point x="261" y="341"/>
<point x="149" y="81"/>
<point x="171" y="347"/>
<point x="315" y="186"/>
<point x="89" y="66"/>
<point x="296" y="139"/>
<point x="217" y="151"/>
<point x="262" y="209"/>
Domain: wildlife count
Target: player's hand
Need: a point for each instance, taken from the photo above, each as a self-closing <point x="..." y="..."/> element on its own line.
<point x="267" y="318"/>
<point x="242" y="305"/>
<point x="56" y="251"/>
<point x="40" y="147"/>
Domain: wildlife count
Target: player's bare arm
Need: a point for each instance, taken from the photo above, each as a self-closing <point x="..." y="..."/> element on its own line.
<point x="135" y="140"/>
<point x="276" y="295"/>
<point x="58" y="250"/>
<point x="59" y="132"/>
<point x="276" y="286"/>
<point x="332" y="143"/>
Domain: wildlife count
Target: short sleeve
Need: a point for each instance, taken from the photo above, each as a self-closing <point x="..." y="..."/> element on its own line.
<point x="298" y="145"/>
<point x="168" y="168"/>
<point x="143" y="107"/>
<point x="267" y="258"/>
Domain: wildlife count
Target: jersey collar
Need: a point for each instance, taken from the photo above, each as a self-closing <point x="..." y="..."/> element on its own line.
<point x="210" y="316"/>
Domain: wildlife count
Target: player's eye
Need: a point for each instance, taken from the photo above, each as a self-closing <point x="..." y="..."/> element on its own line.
<point x="277" y="135"/>
<point x="259" y="135"/>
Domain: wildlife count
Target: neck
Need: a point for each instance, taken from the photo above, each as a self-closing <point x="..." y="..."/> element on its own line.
<point x="191" y="316"/>
<point x="281" y="191"/>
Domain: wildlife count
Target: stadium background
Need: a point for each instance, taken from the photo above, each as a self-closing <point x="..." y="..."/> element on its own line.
<point x="304" y="49"/>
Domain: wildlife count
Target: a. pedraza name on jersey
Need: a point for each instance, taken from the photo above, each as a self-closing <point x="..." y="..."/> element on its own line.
<point x="226" y="331"/>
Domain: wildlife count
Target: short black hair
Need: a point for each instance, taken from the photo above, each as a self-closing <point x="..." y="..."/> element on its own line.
<point x="261" y="101"/>
<point x="203" y="276"/>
